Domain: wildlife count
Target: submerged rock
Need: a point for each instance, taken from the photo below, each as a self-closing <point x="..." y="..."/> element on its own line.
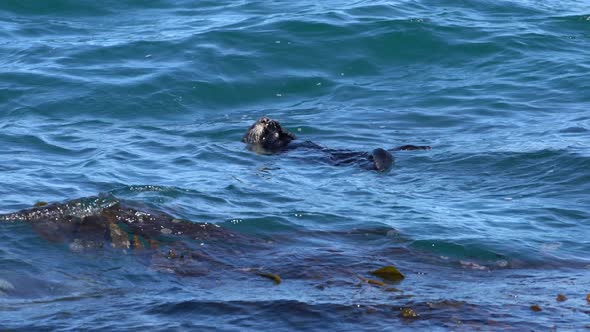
<point x="106" y="219"/>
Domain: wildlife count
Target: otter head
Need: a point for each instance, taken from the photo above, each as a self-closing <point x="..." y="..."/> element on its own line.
<point x="268" y="134"/>
<point x="382" y="159"/>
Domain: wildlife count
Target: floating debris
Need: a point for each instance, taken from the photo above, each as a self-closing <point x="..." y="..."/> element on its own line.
<point x="408" y="313"/>
<point x="388" y="273"/>
<point x="536" y="308"/>
<point x="588" y="297"/>
<point x="274" y="277"/>
<point x="172" y="254"/>
<point x="392" y="289"/>
<point x="372" y="281"/>
<point x="561" y="298"/>
<point x="40" y="203"/>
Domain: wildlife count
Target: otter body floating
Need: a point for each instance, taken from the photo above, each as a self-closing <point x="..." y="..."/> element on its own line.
<point x="267" y="135"/>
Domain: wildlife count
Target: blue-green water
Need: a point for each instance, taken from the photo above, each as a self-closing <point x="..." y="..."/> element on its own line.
<point x="148" y="100"/>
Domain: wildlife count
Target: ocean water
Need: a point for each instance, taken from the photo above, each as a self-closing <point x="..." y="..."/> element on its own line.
<point x="148" y="101"/>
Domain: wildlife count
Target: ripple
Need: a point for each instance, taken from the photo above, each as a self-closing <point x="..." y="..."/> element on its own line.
<point x="149" y="101"/>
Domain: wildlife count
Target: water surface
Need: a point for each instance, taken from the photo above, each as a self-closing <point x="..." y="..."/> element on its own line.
<point x="148" y="100"/>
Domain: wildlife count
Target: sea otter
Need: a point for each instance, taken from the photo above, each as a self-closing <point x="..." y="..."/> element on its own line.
<point x="267" y="135"/>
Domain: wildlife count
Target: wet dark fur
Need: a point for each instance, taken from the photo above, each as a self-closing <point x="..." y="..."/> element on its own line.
<point x="268" y="134"/>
